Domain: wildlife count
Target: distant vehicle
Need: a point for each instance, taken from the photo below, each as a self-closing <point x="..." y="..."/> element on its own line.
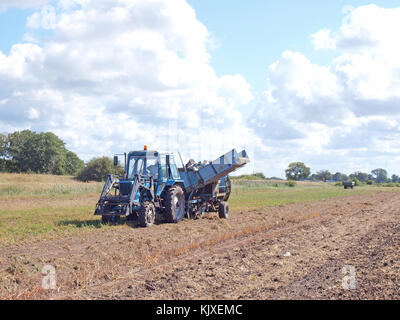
<point x="348" y="184"/>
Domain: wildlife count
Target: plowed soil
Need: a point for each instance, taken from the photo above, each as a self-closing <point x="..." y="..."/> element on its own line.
<point x="295" y="251"/>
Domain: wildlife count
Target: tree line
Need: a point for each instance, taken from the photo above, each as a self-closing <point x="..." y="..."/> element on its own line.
<point x="299" y="171"/>
<point x="30" y="152"/>
<point x="44" y="153"/>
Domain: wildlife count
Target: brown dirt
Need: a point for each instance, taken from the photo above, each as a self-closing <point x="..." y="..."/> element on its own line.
<point x="240" y="258"/>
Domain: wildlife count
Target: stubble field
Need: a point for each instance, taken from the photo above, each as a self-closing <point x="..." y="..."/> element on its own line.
<point x="48" y="221"/>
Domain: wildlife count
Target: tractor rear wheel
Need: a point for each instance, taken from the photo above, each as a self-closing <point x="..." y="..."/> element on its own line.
<point x="147" y="214"/>
<point x="223" y="210"/>
<point x="174" y="204"/>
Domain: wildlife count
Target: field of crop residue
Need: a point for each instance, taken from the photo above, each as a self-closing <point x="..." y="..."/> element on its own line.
<point x="48" y="221"/>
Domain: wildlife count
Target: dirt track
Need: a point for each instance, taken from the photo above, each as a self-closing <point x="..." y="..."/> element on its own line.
<point x="241" y="258"/>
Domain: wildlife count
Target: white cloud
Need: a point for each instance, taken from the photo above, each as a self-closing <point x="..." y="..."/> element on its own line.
<point x="323" y="40"/>
<point x="369" y="27"/>
<point x="45" y="19"/>
<point x="348" y="111"/>
<point x="33" y="114"/>
<point x="114" y="75"/>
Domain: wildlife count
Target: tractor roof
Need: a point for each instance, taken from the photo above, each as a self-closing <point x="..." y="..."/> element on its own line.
<point x="143" y="153"/>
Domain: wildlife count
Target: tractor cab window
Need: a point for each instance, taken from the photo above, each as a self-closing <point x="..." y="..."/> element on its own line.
<point x="174" y="168"/>
<point x="143" y="166"/>
<point x="152" y="167"/>
<point x="163" y="166"/>
<point x="135" y="166"/>
<point x="174" y="173"/>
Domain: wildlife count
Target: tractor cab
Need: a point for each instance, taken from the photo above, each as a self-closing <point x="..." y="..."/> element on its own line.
<point x="142" y="163"/>
<point x="154" y="170"/>
<point x="151" y="164"/>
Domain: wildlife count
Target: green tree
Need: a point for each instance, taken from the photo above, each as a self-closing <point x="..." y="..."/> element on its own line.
<point x="97" y="169"/>
<point x="323" y="175"/>
<point x="3" y="152"/>
<point x="72" y="163"/>
<point x="379" y="175"/>
<point x="259" y="175"/>
<point x="361" y="176"/>
<point x="339" y="177"/>
<point x="28" y="151"/>
<point x="17" y="150"/>
<point x="297" y="171"/>
<point x="3" y="144"/>
<point x="395" y="178"/>
<point x="357" y="182"/>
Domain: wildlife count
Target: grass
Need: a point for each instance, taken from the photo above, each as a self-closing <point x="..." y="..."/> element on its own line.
<point x="25" y="186"/>
<point x="21" y="223"/>
<point x="44" y="206"/>
<point x="35" y="206"/>
<point x="259" y="197"/>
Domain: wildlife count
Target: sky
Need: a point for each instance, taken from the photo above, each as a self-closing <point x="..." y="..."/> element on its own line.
<point x="310" y="81"/>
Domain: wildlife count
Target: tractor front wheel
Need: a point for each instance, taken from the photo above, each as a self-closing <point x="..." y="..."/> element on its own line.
<point x="147" y="214"/>
<point x="174" y="204"/>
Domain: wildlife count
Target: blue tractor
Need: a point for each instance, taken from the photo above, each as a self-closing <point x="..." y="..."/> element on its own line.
<point x="154" y="185"/>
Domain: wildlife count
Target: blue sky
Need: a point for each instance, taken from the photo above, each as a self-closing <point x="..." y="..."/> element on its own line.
<point x="12" y="27"/>
<point x="311" y="81"/>
<point x="253" y="34"/>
